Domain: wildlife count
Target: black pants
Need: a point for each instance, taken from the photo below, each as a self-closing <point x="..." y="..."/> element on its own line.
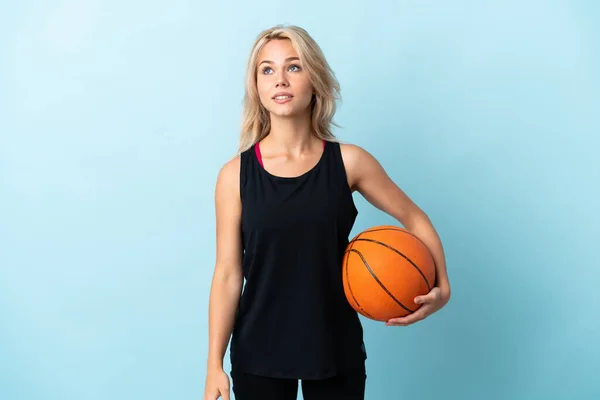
<point x="350" y="386"/>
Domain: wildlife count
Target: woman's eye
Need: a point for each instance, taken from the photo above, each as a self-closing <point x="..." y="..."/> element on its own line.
<point x="266" y="70"/>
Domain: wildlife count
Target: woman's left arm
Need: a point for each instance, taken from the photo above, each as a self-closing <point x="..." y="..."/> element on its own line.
<point x="367" y="176"/>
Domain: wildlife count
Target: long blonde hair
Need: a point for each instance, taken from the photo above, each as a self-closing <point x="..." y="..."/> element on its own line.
<point x="255" y="118"/>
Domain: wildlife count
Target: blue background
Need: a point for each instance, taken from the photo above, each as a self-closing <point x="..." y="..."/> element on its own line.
<point x="115" y="117"/>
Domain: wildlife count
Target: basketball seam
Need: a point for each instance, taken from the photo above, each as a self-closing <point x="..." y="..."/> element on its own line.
<point x="350" y="289"/>
<point x="402" y="255"/>
<point x="378" y="281"/>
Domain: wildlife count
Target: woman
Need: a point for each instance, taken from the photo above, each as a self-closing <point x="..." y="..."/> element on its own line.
<point x="284" y="211"/>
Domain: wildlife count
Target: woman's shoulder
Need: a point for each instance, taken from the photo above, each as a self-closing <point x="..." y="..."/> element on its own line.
<point x="229" y="173"/>
<point x="353" y="154"/>
<point x="359" y="163"/>
<point x="232" y="163"/>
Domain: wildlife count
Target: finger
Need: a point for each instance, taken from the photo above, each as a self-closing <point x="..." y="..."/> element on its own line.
<point x="401" y="322"/>
<point x="214" y="396"/>
<point x="225" y="393"/>
<point x="409" y="319"/>
<point x="426" y="298"/>
<point x="420" y="299"/>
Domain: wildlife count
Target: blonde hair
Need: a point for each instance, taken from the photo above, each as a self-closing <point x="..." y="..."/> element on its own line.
<point x="255" y="118"/>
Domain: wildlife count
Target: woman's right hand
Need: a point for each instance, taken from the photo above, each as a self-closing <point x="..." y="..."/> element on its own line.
<point x="217" y="385"/>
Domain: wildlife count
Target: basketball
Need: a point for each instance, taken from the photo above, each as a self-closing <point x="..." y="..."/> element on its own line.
<point x="384" y="268"/>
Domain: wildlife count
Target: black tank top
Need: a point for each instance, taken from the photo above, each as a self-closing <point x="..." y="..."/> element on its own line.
<point x="293" y="319"/>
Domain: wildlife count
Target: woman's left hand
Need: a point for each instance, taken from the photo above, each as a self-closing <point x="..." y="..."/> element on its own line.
<point x="430" y="303"/>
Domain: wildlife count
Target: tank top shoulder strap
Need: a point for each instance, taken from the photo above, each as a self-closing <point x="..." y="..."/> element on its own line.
<point x="337" y="162"/>
<point x="246" y="166"/>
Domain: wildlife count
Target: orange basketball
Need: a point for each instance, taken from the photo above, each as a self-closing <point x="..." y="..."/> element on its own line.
<point x="384" y="269"/>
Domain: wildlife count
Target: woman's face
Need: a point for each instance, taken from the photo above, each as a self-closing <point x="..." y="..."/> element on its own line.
<point x="283" y="85"/>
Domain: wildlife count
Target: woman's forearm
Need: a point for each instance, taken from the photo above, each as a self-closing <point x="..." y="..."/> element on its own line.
<point x="422" y="228"/>
<point x="223" y="303"/>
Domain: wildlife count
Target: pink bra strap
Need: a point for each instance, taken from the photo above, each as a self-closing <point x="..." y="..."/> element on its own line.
<point x="258" y="155"/>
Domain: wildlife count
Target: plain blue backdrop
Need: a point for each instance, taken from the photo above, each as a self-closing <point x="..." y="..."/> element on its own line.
<point x="115" y="117"/>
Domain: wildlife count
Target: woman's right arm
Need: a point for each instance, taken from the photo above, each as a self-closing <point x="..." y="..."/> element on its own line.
<point x="227" y="278"/>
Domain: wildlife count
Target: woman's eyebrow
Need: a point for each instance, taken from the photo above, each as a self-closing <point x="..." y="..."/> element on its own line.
<point x="287" y="59"/>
